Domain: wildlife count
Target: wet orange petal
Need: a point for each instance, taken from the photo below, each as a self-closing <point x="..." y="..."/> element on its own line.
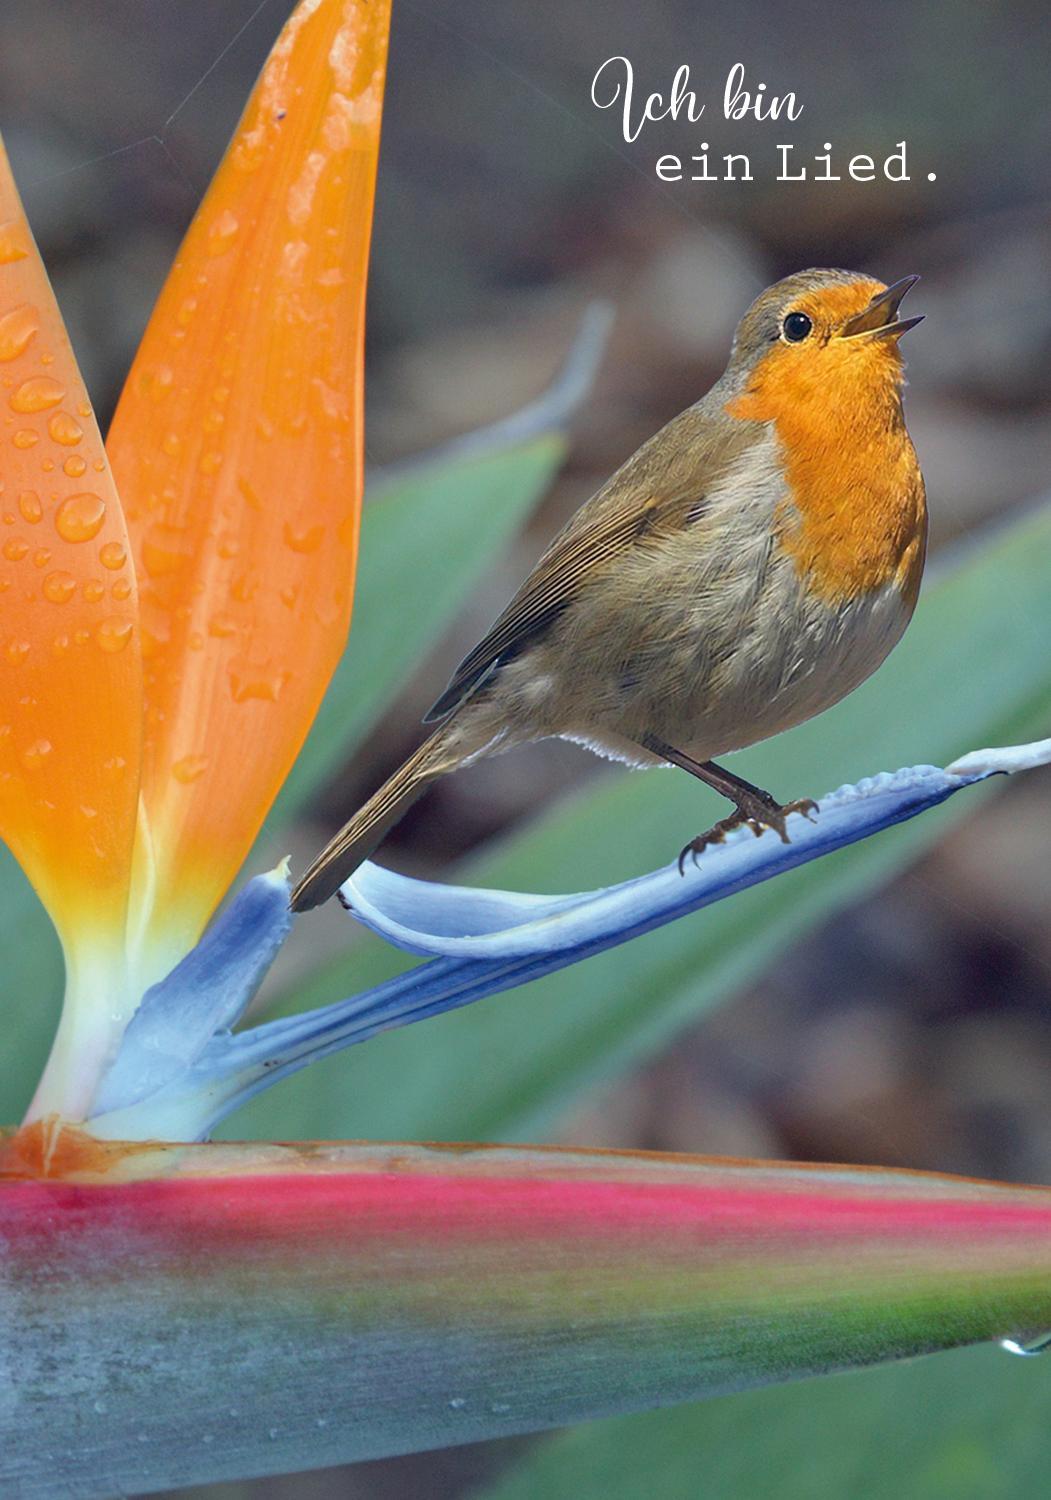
<point x="238" y="448"/>
<point x="70" y="671"/>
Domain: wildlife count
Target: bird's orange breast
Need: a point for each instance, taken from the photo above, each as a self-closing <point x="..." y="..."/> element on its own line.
<point x="856" y="517"/>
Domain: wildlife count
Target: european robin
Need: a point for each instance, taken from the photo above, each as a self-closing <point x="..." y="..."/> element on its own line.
<point x="750" y="565"/>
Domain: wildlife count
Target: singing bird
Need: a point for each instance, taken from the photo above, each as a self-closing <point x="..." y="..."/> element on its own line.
<point x="749" y="566"/>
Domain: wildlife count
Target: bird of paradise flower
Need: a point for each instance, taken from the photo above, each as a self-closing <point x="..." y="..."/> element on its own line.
<point x="172" y="606"/>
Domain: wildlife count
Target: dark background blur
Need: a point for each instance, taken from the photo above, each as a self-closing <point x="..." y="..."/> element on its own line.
<point x="916" y="1029"/>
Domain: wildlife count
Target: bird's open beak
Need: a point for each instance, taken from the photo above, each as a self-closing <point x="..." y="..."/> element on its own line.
<point x="880" y="319"/>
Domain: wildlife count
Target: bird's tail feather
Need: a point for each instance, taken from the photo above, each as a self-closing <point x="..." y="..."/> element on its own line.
<point x="357" y="838"/>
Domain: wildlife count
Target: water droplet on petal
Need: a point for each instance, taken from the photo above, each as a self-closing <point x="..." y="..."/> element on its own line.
<point x="25" y="437"/>
<point x="16" y="652"/>
<point x="221" y="627"/>
<point x="34" y="755"/>
<point x="65" y="429"/>
<point x="306" y="539"/>
<point x="93" y="591"/>
<point x="222" y="233"/>
<point x="15" y="549"/>
<point x="190" y="768"/>
<point x="113" y="634"/>
<point x="115" y="766"/>
<point x="12" y="242"/>
<point x="59" y="587"/>
<point x="164" y="551"/>
<point x="74" y="466"/>
<point x="263" y="682"/>
<point x="155" y="384"/>
<point x="80" y="517"/>
<point x="37" y="394"/>
<point x="112" y="556"/>
<point x="17" y="327"/>
<point x="30" y="506"/>
<point x="121" y="589"/>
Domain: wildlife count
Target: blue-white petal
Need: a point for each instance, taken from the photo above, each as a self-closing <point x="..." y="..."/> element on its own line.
<point x="205" y="994"/>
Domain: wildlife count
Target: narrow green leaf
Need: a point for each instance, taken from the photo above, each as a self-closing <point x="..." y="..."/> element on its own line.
<point x="974" y="669"/>
<point x="425" y="540"/>
<point x="30" y="988"/>
<point x="970" y="1425"/>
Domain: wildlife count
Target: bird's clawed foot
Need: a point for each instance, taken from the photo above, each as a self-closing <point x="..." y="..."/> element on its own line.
<point x="755" y="810"/>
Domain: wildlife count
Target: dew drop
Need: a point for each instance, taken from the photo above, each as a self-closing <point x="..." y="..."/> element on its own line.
<point x="171" y="443"/>
<point x="457" y="1403"/>
<point x="34" y="755"/>
<point x="165" y="551"/>
<point x="83" y="408"/>
<point x="221" y="627"/>
<point x="121" y="589"/>
<point x="222" y="233"/>
<point x="210" y="462"/>
<point x="60" y="645"/>
<point x="65" y="429"/>
<point x="115" y="766"/>
<point x="186" y="310"/>
<point x="87" y="812"/>
<point x="74" y="466"/>
<point x="155" y="384"/>
<point x="190" y="768"/>
<point x="113" y="556"/>
<point x="195" y="641"/>
<point x="16" y="652"/>
<point x="82" y="637"/>
<point x="80" y="517"/>
<point x="227" y="547"/>
<point x="30" y="506"/>
<point x="93" y="591"/>
<point x="249" y="493"/>
<point x="261" y="683"/>
<point x="59" y="587"/>
<point x="41" y="557"/>
<point x="12" y="242"/>
<point x="17" y="328"/>
<point x="244" y="588"/>
<point x="37" y="394"/>
<point x="15" y="549"/>
<point x="113" y="634"/>
<point x="25" y="437"/>
<point x="308" y="539"/>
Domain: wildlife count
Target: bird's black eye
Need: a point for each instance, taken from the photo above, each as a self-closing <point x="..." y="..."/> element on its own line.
<point x="796" y="327"/>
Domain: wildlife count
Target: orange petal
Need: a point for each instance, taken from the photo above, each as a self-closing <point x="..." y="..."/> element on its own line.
<point x="70" y="671"/>
<point x="238" y="448"/>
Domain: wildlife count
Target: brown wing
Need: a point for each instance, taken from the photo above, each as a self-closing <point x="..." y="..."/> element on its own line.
<point x="587" y="543"/>
<point x="659" y="490"/>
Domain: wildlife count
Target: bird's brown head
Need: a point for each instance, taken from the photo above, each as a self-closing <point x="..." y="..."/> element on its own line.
<point x="820" y="334"/>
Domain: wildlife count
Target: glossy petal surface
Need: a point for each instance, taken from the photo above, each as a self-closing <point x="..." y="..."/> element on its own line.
<point x="350" y="1301"/>
<point x="238" y="447"/>
<point x="70" y="672"/>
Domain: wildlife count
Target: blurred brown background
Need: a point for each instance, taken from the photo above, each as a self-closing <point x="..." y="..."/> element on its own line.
<point x="917" y="1029"/>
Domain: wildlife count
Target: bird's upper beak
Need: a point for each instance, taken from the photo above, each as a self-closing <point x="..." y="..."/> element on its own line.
<point x="880" y="319"/>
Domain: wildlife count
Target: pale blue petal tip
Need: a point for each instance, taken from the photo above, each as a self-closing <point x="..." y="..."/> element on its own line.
<point x="180" y="1059"/>
<point x="443" y="920"/>
<point x="204" y="994"/>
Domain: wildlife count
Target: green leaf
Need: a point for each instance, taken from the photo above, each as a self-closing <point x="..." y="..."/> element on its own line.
<point x="31" y="988"/>
<point x="425" y="540"/>
<point x="969" y="1425"/>
<point x="973" y="670"/>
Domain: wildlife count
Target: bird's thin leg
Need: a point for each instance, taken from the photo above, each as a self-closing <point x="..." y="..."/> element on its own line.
<point x="756" y="809"/>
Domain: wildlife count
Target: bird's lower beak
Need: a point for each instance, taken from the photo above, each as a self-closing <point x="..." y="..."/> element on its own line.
<point x="880" y="319"/>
